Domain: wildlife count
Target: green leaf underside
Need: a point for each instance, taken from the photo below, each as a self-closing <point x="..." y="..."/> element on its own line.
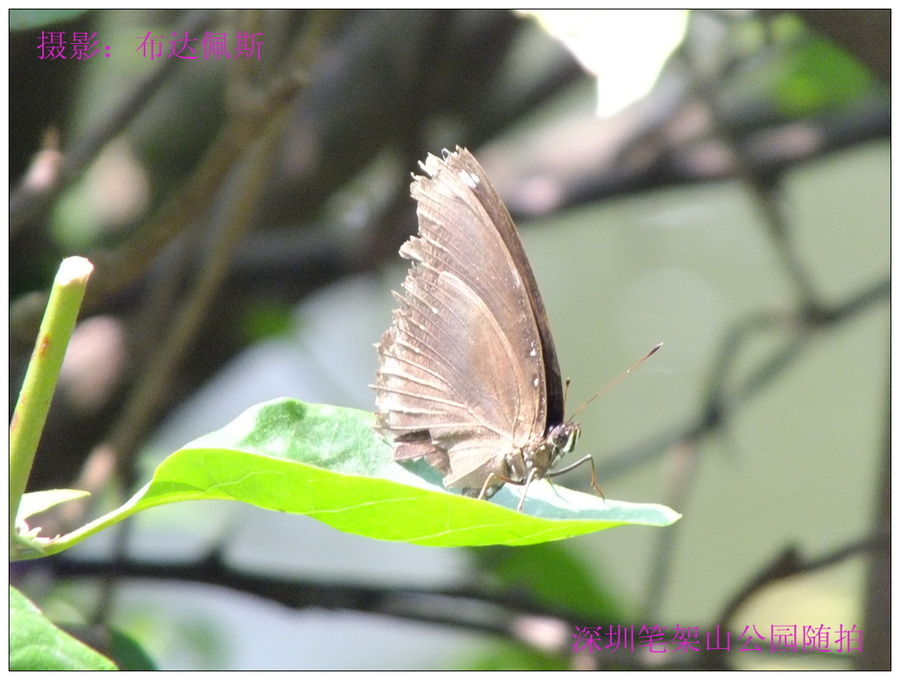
<point x="326" y="462"/>
<point x="38" y="501"/>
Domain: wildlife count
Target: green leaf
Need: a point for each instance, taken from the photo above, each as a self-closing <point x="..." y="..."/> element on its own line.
<point x="38" y="501"/>
<point x="819" y="76"/>
<point x="326" y="462"/>
<point x="128" y="654"/>
<point x="27" y="537"/>
<point x="555" y="575"/>
<point x="35" y="643"/>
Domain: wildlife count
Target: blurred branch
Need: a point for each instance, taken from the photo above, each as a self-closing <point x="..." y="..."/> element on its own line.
<point x="787" y="565"/>
<point x="26" y="205"/>
<point x="811" y="314"/>
<point x="876" y="654"/>
<point x="119" y="268"/>
<point x="790" y="563"/>
<point x="158" y="373"/>
<point x="469" y="609"/>
<point x="514" y="616"/>
<point x="724" y="398"/>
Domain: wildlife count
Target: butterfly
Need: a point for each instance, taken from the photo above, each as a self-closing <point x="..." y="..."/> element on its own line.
<point x="468" y="377"/>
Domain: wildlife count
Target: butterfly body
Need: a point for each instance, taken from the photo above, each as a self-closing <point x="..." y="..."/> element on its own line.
<point x="468" y="376"/>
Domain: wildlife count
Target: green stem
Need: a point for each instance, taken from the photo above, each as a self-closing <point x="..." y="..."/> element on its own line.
<point x="43" y="372"/>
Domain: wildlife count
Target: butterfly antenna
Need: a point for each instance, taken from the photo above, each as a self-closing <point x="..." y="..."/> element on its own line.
<point x="614" y="382"/>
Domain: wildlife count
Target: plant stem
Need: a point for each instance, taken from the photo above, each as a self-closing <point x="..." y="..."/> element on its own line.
<point x="43" y="371"/>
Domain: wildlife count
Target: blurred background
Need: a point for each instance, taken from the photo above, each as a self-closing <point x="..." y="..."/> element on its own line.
<point x="717" y="181"/>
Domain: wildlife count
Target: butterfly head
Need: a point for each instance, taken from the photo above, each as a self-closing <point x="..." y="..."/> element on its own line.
<point x="538" y="462"/>
<point x="562" y="438"/>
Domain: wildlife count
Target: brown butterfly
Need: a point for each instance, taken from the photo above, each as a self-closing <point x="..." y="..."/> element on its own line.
<point x="468" y="376"/>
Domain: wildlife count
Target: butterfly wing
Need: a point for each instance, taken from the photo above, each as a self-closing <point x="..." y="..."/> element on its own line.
<point x="463" y="375"/>
<point x="499" y="216"/>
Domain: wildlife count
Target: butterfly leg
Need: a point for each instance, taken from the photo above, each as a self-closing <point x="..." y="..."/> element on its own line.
<point x="582" y="461"/>
<point x="491" y="486"/>
<point x="531" y="474"/>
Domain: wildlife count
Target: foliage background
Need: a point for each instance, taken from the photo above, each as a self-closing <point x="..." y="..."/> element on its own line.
<point x="244" y="218"/>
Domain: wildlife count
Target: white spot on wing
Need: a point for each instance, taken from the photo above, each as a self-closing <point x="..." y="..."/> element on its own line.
<point x="468" y="179"/>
